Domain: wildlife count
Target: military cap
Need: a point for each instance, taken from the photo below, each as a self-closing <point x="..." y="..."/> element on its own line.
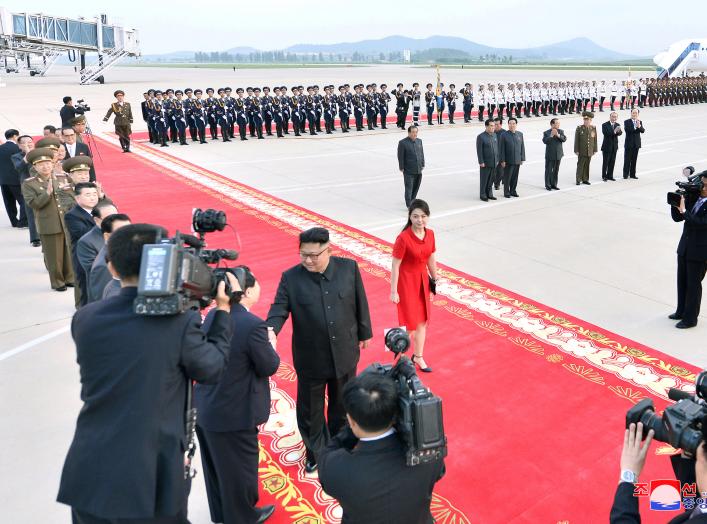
<point x="77" y="163"/>
<point x="384" y="85"/>
<point x="178" y="92"/>
<point x="118" y="92"/>
<point x="198" y="91"/>
<point x="221" y="90"/>
<point x="79" y="119"/>
<point x="587" y="114"/>
<point x="50" y="142"/>
<point x="209" y="89"/>
<point x="40" y="154"/>
<point x="188" y="90"/>
<point x="239" y="90"/>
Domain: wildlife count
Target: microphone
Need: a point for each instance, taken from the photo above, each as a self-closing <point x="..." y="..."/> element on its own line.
<point x="679" y="394"/>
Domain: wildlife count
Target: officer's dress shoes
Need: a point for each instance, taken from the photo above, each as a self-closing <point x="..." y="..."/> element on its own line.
<point x="310" y="466"/>
<point x="265" y="513"/>
<point x="684" y="325"/>
<point x="675" y="316"/>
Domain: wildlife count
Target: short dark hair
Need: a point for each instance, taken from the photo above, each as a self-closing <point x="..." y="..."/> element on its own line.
<point x="371" y="400"/>
<point x="50" y="128"/>
<point x="66" y="99"/>
<point x="66" y="128"/>
<point x="315" y="235"/>
<point x="498" y="119"/>
<point x="19" y="139"/>
<point x="248" y="282"/>
<point x="125" y="247"/>
<point x="96" y="211"/>
<point x="552" y="121"/>
<point x="488" y="122"/>
<point x="411" y="128"/>
<point x="10" y="133"/>
<point x="107" y="223"/>
<point x="83" y="185"/>
<point x="512" y="119"/>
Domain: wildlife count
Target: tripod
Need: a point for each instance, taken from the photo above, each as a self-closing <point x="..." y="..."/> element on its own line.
<point x="92" y="145"/>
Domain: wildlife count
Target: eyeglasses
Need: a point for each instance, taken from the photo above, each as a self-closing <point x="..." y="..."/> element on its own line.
<point x="312" y="256"/>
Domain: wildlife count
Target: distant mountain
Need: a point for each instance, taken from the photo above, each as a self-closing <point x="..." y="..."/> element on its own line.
<point x="174" y="56"/>
<point x="575" y="49"/>
<point x="241" y="50"/>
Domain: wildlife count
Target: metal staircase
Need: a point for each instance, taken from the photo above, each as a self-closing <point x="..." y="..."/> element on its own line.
<point x="680" y="64"/>
<point x="105" y="61"/>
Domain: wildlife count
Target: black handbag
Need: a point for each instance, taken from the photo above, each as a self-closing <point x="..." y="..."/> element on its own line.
<point x="433" y="285"/>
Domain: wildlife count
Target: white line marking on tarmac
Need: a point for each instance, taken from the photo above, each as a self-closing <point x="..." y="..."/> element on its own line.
<point x="32" y="343"/>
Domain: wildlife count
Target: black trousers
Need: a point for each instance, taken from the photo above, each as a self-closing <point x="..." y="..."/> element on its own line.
<point x="81" y="517"/>
<point x="486" y="177"/>
<point x="230" y="463"/>
<point x="630" y="158"/>
<point x="608" y="160"/>
<point x="552" y="170"/>
<point x="510" y="178"/>
<point x="313" y="427"/>
<point x="498" y="176"/>
<point x="690" y="276"/>
<point x="412" y="186"/>
<point x="13" y="200"/>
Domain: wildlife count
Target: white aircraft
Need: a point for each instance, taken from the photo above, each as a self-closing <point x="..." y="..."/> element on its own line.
<point x="682" y="58"/>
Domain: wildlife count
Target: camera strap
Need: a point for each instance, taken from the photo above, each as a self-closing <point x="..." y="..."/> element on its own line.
<point x="189" y="469"/>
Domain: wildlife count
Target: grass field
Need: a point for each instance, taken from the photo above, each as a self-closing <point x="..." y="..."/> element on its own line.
<point x="562" y="67"/>
<point x="238" y="66"/>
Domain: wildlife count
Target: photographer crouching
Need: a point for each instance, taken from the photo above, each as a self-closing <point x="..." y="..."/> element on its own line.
<point x="379" y="467"/>
<point x="126" y="463"/>
<point x="689" y="205"/>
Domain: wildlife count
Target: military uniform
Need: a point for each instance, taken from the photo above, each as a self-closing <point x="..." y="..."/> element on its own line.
<point x="585" y="145"/>
<point x="46" y="197"/>
<point x="123" y="119"/>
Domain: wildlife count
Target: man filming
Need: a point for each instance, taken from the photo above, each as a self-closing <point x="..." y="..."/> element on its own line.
<point x="68" y="111"/>
<point x="126" y="463"/>
<point x="692" y="255"/>
<point x="364" y="468"/>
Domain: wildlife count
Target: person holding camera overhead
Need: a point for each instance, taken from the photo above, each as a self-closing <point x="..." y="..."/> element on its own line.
<point x="413" y="276"/>
<point x="69" y="111"/>
<point x="692" y="255"/>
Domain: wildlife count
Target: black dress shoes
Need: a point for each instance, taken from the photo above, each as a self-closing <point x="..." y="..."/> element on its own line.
<point x="555" y="188"/>
<point x="675" y="316"/>
<point x="265" y="513"/>
<point x="310" y="466"/>
<point x="492" y="198"/>
<point x="586" y="182"/>
<point x="61" y="288"/>
<point x="684" y="325"/>
<point x="484" y="199"/>
<point x="612" y="179"/>
<point x="514" y="194"/>
<point x="634" y="177"/>
<point x="548" y="188"/>
<point x="36" y="243"/>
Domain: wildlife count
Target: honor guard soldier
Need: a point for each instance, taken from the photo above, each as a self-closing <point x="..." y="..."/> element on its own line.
<point x="302" y="108"/>
<point x="343" y="105"/>
<point x="416" y="98"/>
<point x="359" y="106"/>
<point x="430" y="104"/>
<point x="198" y="112"/>
<point x="585" y="145"/>
<point x="310" y="110"/>
<point x="452" y="97"/>
<point x="295" y="110"/>
<point x="179" y="116"/>
<point x="42" y="194"/>
<point x="221" y="113"/>
<point x="241" y="109"/>
<point x="329" y="109"/>
<point x="160" y="119"/>
<point x="467" y="93"/>
<point x="147" y="115"/>
<point x="491" y="100"/>
<point x="370" y="107"/>
<point x="256" y="113"/>
<point x="188" y="112"/>
<point x="171" y="123"/>
<point x="230" y="113"/>
<point x="209" y="106"/>
<point x="276" y="110"/>
<point x="500" y="100"/>
<point x="383" y="99"/>
<point x="318" y="108"/>
<point x="285" y="107"/>
<point x="266" y="105"/>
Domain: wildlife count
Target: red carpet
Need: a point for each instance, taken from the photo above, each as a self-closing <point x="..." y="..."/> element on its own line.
<point x="534" y="400"/>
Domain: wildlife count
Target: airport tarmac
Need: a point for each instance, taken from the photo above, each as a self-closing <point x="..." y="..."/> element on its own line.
<point x="604" y="253"/>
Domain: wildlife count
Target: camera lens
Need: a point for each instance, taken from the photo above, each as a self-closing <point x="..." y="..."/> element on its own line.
<point x="208" y="221"/>
<point x="397" y="340"/>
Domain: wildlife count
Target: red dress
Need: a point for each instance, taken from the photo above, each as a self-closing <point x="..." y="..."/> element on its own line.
<point x="413" y="280"/>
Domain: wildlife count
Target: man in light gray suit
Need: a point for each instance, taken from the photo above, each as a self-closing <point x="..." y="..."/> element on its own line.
<point x="488" y="156"/>
<point x="411" y="161"/>
<point x="553" y="139"/>
<point x="512" y="157"/>
<point x="100" y="276"/>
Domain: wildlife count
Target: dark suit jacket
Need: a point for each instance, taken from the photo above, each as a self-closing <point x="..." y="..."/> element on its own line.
<point x="411" y="156"/>
<point x="127" y="456"/>
<point x="66" y="113"/>
<point x="22" y="167"/>
<point x="329" y="317"/>
<point x="372" y="482"/>
<point x="88" y="247"/>
<point x="98" y="275"/>
<point x="79" y="222"/>
<point x="8" y="174"/>
<point x="512" y="148"/>
<point x="610" y="142"/>
<point x="693" y="242"/>
<point x="553" y="144"/>
<point x="241" y="399"/>
<point x="145" y="111"/>
<point x="633" y="135"/>
<point x="487" y="149"/>
<point x="83" y="149"/>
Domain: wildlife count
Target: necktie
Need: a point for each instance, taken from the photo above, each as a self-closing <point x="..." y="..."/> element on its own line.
<point x="697" y="205"/>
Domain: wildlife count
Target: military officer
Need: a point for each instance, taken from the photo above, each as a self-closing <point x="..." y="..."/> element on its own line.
<point x="188" y="103"/>
<point x="451" y="102"/>
<point x="383" y="99"/>
<point x="467" y="93"/>
<point x="123" y="119"/>
<point x="180" y="117"/>
<point x="198" y="115"/>
<point x="585" y="145"/>
<point x="429" y="104"/>
<point x="42" y="194"/>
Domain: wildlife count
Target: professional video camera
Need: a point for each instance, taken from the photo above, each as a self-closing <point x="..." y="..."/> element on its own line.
<point x="81" y="106"/>
<point x="174" y="273"/>
<point x="680" y="425"/>
<point x="690" y="188"/>
<point x="419" y="422"/>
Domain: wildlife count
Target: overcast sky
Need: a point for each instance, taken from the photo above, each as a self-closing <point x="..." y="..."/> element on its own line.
<point x="639" y="28"/>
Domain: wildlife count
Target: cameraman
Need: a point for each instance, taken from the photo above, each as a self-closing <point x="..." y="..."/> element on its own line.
<point x="127" y="459"/>
<point x="692" y="256"/>
<point x="68" y="111"/>
<point x="363" y="467"/>
<point x="633" y="457"/>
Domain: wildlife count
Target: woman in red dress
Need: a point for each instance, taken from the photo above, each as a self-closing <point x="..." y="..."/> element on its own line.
<point x="413" y="266"/>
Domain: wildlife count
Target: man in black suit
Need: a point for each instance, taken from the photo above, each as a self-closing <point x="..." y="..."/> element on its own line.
<point x="512" y="153"/>
<point x="330" y="325"/>
<point x="411" y="161"/>
<point x="634" y="129"/>
<point x="364" y="468"/>
<point x="553" y="139"/>
<point x="126" y="461"/>
<point x="692" y="256"/>
<point x="499" y="131"/>
<point x="633" y="458"/>
<point x="26" y="144"/>
<point x="98" y="275"/>
<point x="230" y="412"/>
<point x="68" y="111"/>
<point x="487" y="151"/>
<point x="610" y="146"/>
<point x="74" y="148"/>
<point x="10" y="183"/>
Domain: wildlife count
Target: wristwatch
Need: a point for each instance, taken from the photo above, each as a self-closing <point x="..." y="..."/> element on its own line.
<point x="628" y="476"/>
